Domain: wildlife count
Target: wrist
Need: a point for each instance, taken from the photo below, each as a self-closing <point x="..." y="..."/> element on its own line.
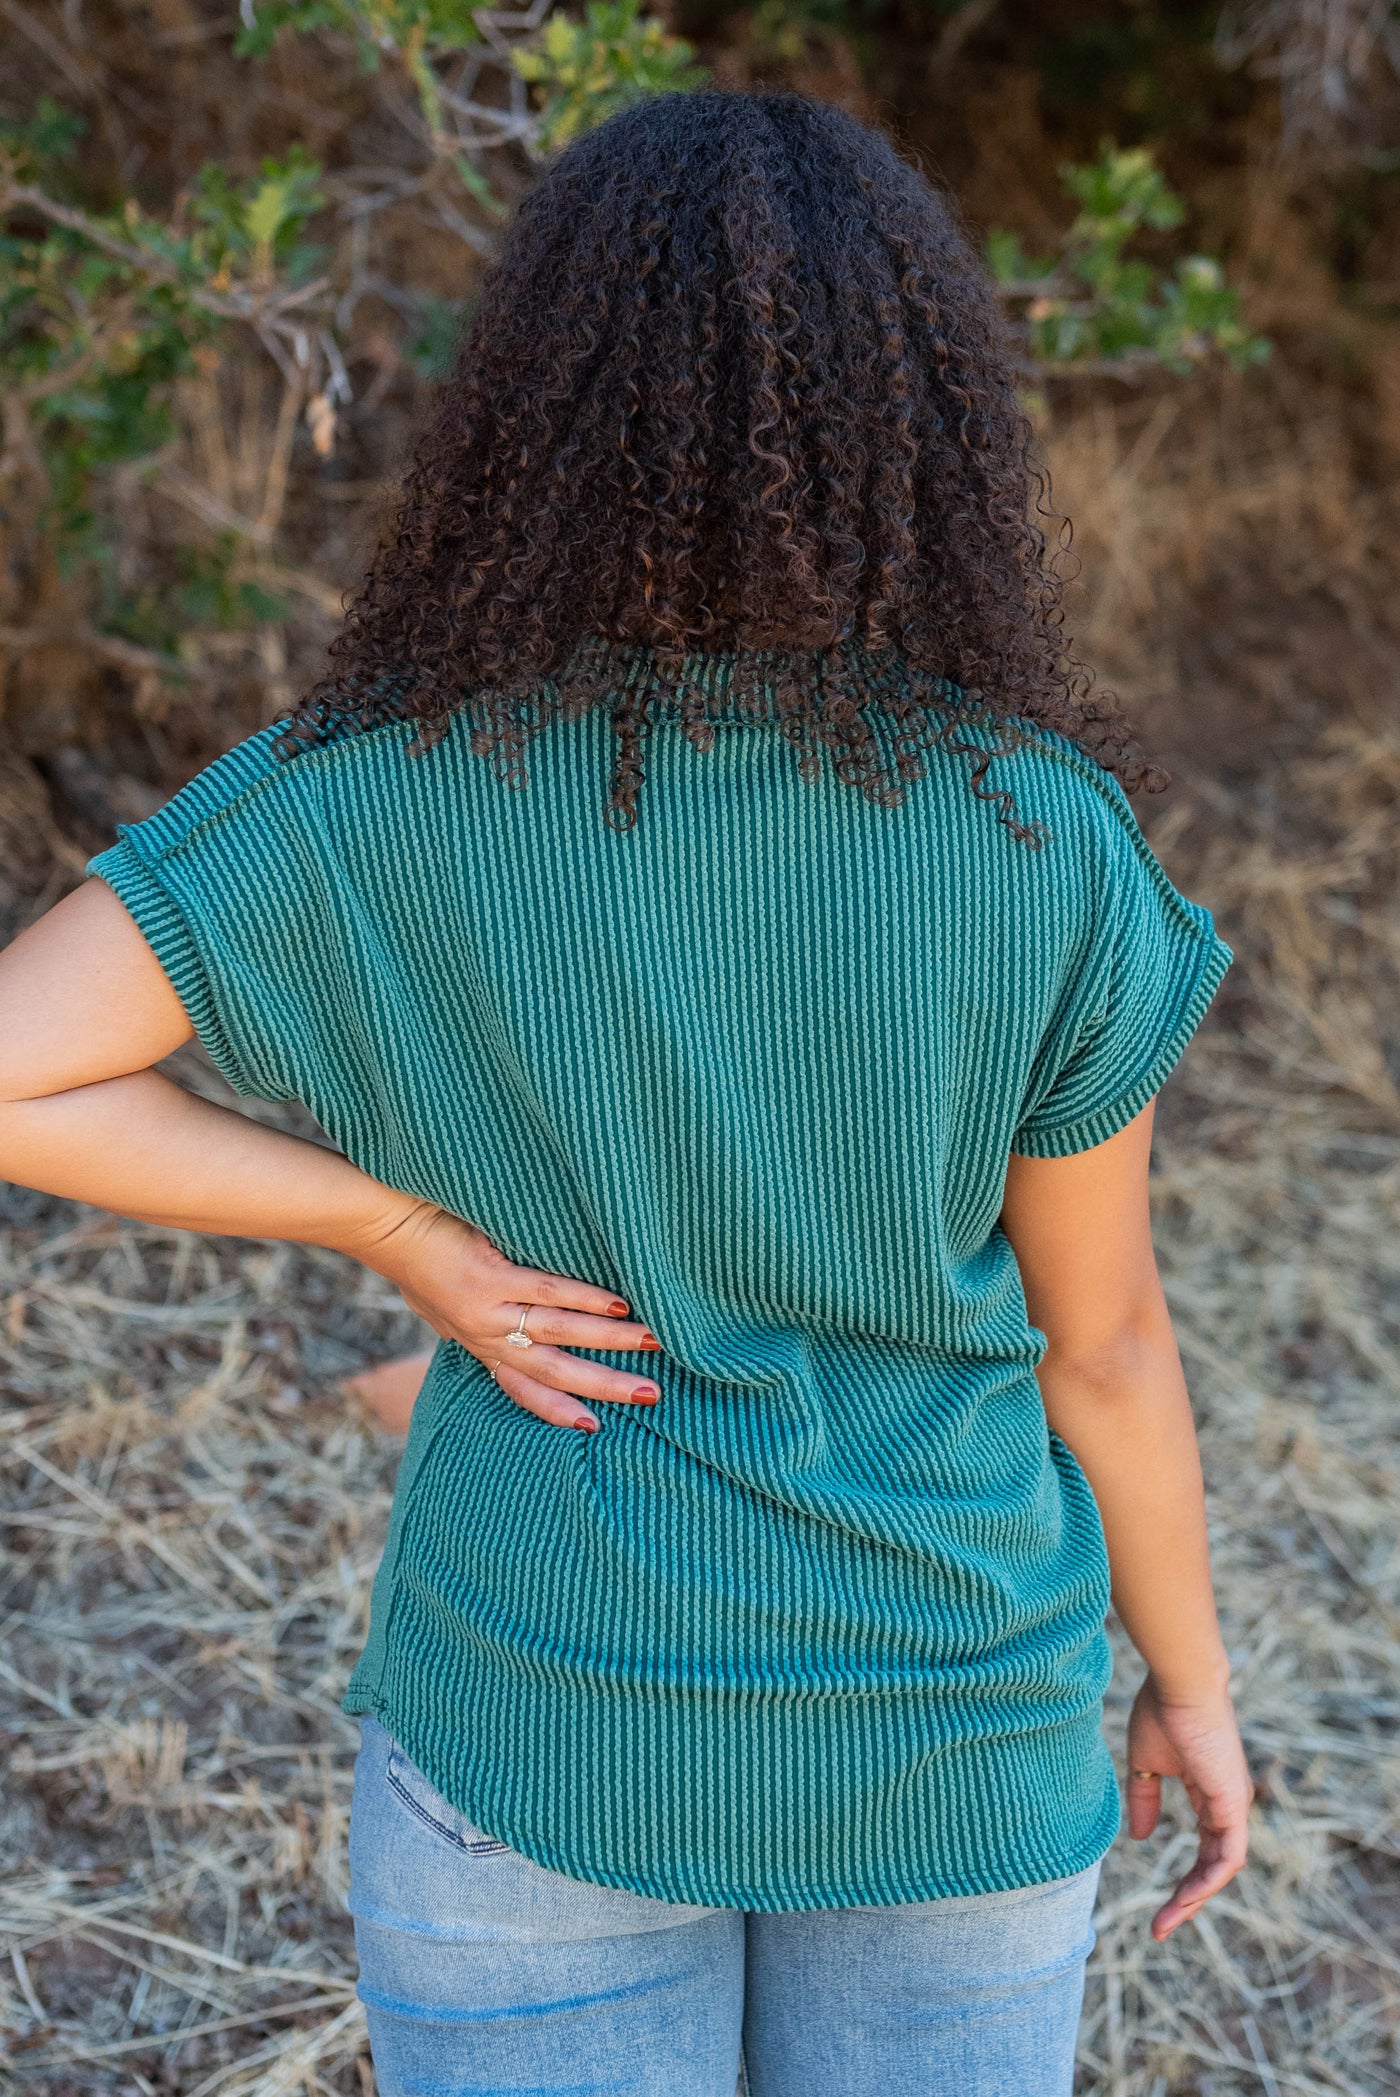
<point x="1208" y="1683"/>
<point x="379" y="1221"/>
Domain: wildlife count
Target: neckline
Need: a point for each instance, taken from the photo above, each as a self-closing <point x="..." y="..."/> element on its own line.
<point x="741" y="685"/>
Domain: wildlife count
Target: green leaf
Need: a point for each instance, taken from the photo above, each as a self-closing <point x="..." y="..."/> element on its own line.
<point x="432" y="346"/>
<point x="1125" y="306"/>
<point x="1010" y="264"/>
<point x="1123" y="186"/>
<point x="373" y="26"/>
<point x="48" y="139"/>
<point x="586" y="70"/>
<point x="266" y="211"/>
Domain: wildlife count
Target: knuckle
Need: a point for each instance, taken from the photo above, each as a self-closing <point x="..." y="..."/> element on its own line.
<point x="547" y="1289"/>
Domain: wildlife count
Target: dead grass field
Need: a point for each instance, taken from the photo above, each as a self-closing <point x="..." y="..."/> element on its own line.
<point x="192" y="1516"/>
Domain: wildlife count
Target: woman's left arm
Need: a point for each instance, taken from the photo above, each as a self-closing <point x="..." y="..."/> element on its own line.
<point x="86" y="1010"/>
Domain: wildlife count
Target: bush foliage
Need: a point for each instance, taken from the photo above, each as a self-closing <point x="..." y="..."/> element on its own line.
<point x="112" y="312"/>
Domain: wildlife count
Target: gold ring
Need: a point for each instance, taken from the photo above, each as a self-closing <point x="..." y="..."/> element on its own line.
<point x="1144" y="1772"/>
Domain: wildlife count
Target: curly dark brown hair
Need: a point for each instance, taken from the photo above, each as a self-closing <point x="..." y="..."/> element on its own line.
<point x="736" y="414"/>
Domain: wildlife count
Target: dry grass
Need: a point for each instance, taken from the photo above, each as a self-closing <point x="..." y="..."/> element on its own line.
<point x="192" y="1521"/>
<point x="192" y="1516"/>
<point x="1277" y="1197"/>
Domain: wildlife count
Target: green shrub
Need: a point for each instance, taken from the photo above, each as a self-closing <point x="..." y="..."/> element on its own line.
<point x="1095" y="305"/>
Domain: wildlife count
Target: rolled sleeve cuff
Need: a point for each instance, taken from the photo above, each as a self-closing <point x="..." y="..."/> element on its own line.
<point x="168" y="932"/>
<point x="1198" y="985"/>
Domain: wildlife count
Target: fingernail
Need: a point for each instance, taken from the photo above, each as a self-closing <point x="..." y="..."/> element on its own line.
<point x="646" y="1394"/>
<point x="587" y="1425"/>
<point x="649" y="1339"/>
<point x="617" y="1308"/>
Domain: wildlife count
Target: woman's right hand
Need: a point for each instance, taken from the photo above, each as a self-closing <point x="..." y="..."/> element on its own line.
<point x="451" y="1274"/>
<point x="1198" y="1740"/>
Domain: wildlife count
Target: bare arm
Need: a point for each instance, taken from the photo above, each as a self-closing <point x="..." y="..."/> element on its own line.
<point x="85" y="1010"/>
<point x="1115" y="1394"/>
<point x="1114" y="1391"/>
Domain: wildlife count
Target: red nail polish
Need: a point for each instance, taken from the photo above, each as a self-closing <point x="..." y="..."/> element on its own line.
<point x="588" y="1426"/>
<point x="649" y="1340"/>
<point x="617" y="1308"/>
<point x="646" y="1394"/>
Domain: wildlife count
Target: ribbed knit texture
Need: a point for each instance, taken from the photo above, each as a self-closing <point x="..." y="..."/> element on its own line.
<point x="826" y="1625"/>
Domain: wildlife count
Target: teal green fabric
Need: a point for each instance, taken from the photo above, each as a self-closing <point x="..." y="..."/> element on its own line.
<point x="825" y="1627"/>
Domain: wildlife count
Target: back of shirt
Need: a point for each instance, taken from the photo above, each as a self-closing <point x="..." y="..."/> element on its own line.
<point x="758" y="1063"/>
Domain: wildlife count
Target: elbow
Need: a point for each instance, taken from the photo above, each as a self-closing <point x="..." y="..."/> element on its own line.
<point x="1112" y="1365"/>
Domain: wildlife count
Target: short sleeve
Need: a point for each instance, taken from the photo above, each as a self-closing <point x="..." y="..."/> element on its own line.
<point x="198" y="878"/>
<point x="1153" y="964"/>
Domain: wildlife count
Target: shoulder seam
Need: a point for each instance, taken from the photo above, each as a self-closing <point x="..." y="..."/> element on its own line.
<point x="316" y="755"/>
<point x="1064" y="753"/>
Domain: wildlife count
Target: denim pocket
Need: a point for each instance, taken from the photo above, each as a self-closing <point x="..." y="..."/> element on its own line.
<point x="408" y="1782"/>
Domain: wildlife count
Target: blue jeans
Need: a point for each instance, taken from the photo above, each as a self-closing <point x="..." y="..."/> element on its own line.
<point x="483" y="1974"/>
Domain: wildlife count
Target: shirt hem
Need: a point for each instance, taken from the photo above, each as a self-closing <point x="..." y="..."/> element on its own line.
<point x="1037" y="1868"/>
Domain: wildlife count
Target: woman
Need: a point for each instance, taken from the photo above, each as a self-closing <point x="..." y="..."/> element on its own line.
<point x="702" y="903"/>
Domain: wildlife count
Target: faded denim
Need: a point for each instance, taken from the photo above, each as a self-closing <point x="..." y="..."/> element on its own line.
<point x="485" y="1975"/>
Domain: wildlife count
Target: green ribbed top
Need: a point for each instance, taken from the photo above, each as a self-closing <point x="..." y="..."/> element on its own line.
<point x="825" y="1627"/>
